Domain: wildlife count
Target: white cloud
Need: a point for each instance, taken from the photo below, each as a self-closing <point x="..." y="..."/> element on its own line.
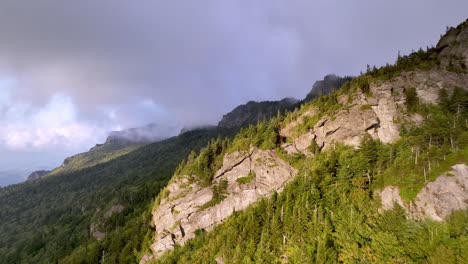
<point x="58" y="124"/>
<point x="53" y="125"/>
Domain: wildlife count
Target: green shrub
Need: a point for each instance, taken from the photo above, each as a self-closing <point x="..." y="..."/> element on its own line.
<point x="246" y="179"/>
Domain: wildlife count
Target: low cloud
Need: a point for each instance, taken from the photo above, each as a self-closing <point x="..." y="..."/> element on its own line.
<point x="54" y="124"/>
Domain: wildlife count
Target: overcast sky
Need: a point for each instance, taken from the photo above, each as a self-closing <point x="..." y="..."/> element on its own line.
<point x="71" y="71"/>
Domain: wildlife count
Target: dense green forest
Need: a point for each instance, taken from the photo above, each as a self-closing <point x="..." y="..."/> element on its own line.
<point x="44" y="221"/>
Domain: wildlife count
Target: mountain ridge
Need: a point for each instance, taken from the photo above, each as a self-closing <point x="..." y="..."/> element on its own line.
<point x="298" y="187"/>
<point x="374" y="109"/>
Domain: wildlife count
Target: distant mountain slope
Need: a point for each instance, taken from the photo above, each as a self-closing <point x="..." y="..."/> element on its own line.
<point x="99" y="154"/>
<point x="149" y="133"/>
<point x="254" y="112"/>
<point x="37" y="175"/>
<point x="326" y="86"/>
<point x="117" y="144"/>
<point x="43" y="221"/>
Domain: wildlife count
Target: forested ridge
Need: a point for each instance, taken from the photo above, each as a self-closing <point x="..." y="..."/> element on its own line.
<point x="45" y="220"/>
<point x="329" y="213"/>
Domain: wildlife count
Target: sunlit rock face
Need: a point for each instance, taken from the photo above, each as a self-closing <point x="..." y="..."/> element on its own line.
<point x="378" y="114"/>
<point x="437" y="200"/>
<point x="247" y="176"/>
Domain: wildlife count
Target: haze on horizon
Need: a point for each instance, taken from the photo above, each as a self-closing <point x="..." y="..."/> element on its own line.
<point x="71" y="71"/>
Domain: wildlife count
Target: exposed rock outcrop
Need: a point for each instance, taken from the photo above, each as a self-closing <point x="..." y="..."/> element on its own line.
<point x="437" y="199"/>
<point x="114" y="210"/>
<point x="95" y="233"/>
<point x="247" y="176"/>
<point x="347" y="127"/>
<point x="37" y="175"/>
<point x="378" y="114"/>
<point x="300" y="144"/>
<point x="94" y="228"/>
<point x="290" y="128"/>
<point x="389" y="197"/>
<point x="454" y="44"/>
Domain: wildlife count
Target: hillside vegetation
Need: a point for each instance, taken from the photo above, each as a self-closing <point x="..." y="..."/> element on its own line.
<point x="328" y="160"/>
<point x="99" y="154"/>
<point x="331" y="212"/>
<point x="44" y="221"/>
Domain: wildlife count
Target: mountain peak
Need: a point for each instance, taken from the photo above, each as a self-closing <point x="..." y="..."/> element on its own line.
<point x="37" y="175"/>
<point x="254" y="112"/>
<point x="146" y="134"/>
<point x="329" y="83"/>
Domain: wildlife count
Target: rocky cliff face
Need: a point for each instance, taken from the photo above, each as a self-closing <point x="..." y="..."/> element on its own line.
<point x="244" y="178"/>
<point x="437" y="199"/>
<point x="453" y="47"/>
<point x="381" y="112"/>
<point x="378" y="114"/>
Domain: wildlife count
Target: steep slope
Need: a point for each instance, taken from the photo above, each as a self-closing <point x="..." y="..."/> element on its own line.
<point x="327" y="214"/>
<point x="389" y="126"/>
<point x="117" y="144"/>
<point x="101" y="153"/>
<point x="245" y="177"/>
<point x="44" y="221"/>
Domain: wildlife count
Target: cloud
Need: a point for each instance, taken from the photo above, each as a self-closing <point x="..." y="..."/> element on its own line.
<point x="78" y="69"/>
<point x="55" y="124"/>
